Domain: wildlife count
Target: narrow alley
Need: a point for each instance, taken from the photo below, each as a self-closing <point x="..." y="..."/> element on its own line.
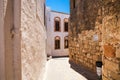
<point x="59" y="39"/>
<point x="60" y="69"/>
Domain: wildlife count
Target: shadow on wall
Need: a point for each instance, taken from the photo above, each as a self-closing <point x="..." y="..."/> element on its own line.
<point x="90" y="75"/>
<point x="88" y="13"/>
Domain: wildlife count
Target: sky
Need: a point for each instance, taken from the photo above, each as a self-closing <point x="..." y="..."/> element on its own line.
<point x="59" y="5"/>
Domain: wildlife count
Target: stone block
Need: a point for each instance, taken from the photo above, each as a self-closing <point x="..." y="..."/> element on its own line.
<point x="115" y="76"/>
<point x="95" y="57"/>
<point x="97" y="48"/>
<point x="104" y="78"/>
<point x="105" y="71"/>
<point x="85" y="59"/>
<point x="94" y="62"/>
<point x="111" y="66"/>
<point x="90" y="66"/>
<point x="91" y="61"/>
<point x="118" y="53"/>
<point x="89" y="56"/>
<point x="109" y="51"/>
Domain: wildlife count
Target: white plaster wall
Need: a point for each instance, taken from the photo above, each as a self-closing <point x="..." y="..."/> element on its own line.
<point x="48" y="24"/>
<point x="33" y="39"/>
<point x="10" y="65"/>
<point x="2" y="63"/>
<point x="51" y="34"/>
<point x="22" y="46"/>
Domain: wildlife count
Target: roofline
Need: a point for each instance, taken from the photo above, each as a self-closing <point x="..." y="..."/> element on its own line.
<point x="60" y="12"/>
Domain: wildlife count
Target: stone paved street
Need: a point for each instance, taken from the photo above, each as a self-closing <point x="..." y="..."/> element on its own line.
<point x="59" y="69"/>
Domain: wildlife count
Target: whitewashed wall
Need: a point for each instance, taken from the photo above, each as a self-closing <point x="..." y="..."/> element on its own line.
<point x="51" y="34"/>
<point x="33" y="39"/>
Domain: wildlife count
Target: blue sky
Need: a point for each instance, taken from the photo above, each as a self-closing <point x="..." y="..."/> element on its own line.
<point x="59" y="5"/>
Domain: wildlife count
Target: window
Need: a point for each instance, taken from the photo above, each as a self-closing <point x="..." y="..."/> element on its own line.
<point x="66" y="42"/>
<point x="57" y="24"/>
<point x="57" y="42"/>
<point x="66" y="25"/>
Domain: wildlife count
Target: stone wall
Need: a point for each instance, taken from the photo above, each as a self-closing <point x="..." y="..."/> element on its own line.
<point x="22" y="40"/>
<point x="111" y="40"/>
<point x="86" y="49"/>
<point x="94" y="35"/>
<point x="33" y="39"/>
<point x="85" y="33"/>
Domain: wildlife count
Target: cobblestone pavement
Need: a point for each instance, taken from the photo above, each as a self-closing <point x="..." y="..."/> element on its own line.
<point x="60" y="69"/>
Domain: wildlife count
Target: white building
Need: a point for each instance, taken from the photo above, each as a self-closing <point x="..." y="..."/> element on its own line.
<point x="57" y="33"/>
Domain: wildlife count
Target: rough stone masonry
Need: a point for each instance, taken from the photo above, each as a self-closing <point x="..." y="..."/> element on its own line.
<point x="94" y="35"/>
<point x="111" y="39"/>
<point x="85" y="32"/>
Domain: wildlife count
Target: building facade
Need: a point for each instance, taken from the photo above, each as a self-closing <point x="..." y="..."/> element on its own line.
<point x="94" y="35"/>
<point x="57" y="33"/>
<point x="22" y="40"/>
